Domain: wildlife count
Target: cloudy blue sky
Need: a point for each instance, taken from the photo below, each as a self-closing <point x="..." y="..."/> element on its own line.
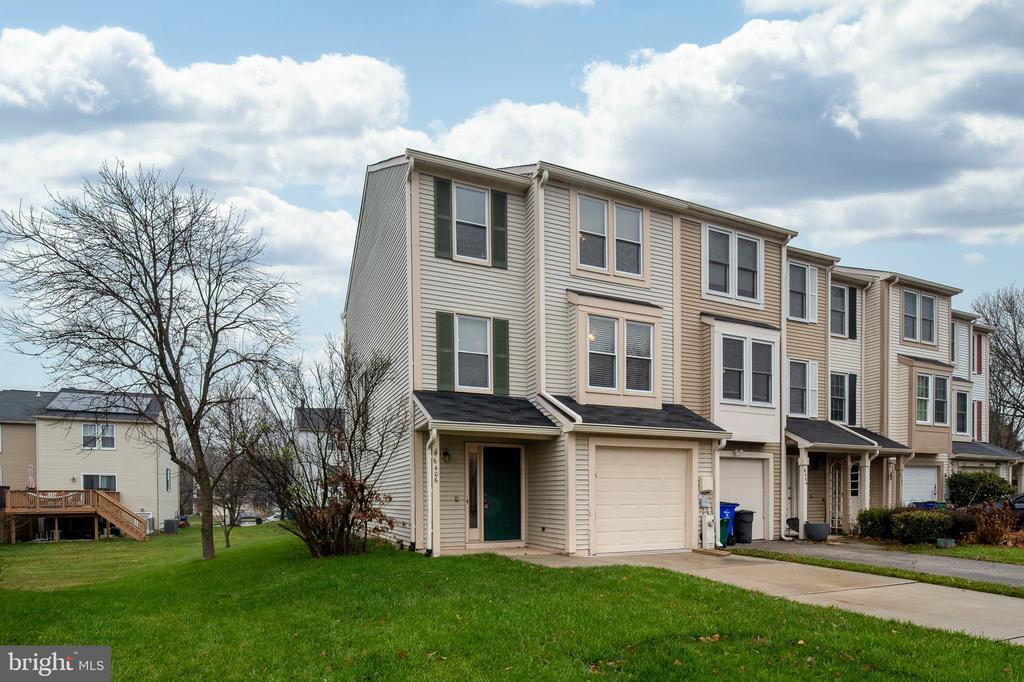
<point x="888" y="133"/>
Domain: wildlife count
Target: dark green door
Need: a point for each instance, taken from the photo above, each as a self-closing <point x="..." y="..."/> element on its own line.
<point x="502" y="494"/>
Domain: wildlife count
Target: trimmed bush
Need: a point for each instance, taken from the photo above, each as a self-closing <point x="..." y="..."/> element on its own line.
<point x="916" y="526"/>
<point x="976" y="487"/>
<point x="876" y="523"/>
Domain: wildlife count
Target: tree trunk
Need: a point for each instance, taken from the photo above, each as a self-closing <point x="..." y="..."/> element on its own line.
<point x="227" y="530"/>
<point x="206" y="524"/>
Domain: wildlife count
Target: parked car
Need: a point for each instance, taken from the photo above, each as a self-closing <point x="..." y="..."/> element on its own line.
<point x="249" y="520"/>
<point x="272" y="518"/>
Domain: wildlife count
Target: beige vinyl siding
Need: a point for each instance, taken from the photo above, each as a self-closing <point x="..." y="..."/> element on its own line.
<point x="808" y="341"/>
<point x="546" y="493"/>
<point x="530" y="289"/>
<point x="560" y="316"/>
<point x="694" y="376"/>
<point x="17" y="454"/>
<point x="453" y="494"/>
<point x="378" y="316"/>
<point x="871" y="337"/>
<point x="979" y="389"/>
<point x="816" y="503"/>
<point x="454" y="286"/>
<point x="845" y="355"/>
<point x="899" y="401"/>
<point x="582" y="493"/>
<point x="136" y="460"/>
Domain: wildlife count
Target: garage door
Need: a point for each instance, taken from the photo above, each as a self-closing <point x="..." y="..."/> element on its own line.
<point x="640" y="499"/>
<point x="742" y="481"/>
<point x="920" y="484"/>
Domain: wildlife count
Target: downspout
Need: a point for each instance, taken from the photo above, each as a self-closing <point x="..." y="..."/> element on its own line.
<point x="802" y="464"/>
<point x="783" y="401"/>
<point x="428" y="534"/>
<point x="414" y="496"/>
<point x="716" y="498"/>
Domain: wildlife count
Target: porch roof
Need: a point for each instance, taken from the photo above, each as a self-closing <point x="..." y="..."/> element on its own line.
<point x="828" y="434"/>
<point x="480" y="408"/>
<point x="670" y="416"/>
<point x="978" y="450"/>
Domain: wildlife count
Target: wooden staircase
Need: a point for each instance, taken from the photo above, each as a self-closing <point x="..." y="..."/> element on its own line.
<point x="121" y="516"/>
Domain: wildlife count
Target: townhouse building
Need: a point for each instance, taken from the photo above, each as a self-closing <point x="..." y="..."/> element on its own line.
<point x="75" y="463"/>
<point x="593" y="367"/>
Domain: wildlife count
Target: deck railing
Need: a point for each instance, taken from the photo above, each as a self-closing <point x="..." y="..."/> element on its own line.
<point x="55" y="500"/>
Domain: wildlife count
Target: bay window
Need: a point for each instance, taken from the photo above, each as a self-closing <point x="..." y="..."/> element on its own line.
<point x="602" y="338"/>
<point x="639" y="356"/>
<point x="940" y="408"/>
<point x="748" y="370"/>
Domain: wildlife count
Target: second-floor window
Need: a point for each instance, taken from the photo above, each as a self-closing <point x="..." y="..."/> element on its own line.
<point x="924" y="399"/>
<point x="593" y="232"/>
<point x="98" y="436"/>
<point x="747" y="370"/>
<point x="639" y="356"/>
<point x="963" y="408"/>
<point x="837" y="402"/>
<point x="99" y="482"/>
<point x="628" y="240"/>
<point x="940" y="408"/>
<point x="803" y="388"/>
<point x="932" y="400"/>
<point x="602" y="355"/>
<point x="733" y="265"/>
<point x="918" y="316"/>
<point x="472" y="368"/>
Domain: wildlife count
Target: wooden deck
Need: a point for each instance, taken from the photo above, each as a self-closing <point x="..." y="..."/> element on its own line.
<point x="105" y="504"/>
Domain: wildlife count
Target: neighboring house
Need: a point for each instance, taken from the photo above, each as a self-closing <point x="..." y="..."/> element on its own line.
<point x="592" y="367"/>
<point x="318" y="445"/>
<point x="55" y="445"/>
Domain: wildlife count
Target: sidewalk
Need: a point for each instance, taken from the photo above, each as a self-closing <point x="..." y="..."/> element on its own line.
<point x="933" y="606"/>
<point x="867" y="553"/>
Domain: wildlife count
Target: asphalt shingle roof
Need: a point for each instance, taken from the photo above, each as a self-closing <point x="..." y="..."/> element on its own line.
<point x="983" y="450"/>
<point x="670" y="416"/>
<point x="478" y="408"/>
<point x="22" y="406"/>
<point x="823" y="432"/>
<point x="883" y="442"/>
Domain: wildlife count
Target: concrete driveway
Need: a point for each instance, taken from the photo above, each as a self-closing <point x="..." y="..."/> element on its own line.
<point x="945" y="608"/>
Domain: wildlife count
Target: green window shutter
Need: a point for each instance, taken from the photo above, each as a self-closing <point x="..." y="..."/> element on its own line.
<point x="500" y="350"/>
<point x="445" y="351"/>
<point x="442" y="218"/>
<point x="499" y="230"/>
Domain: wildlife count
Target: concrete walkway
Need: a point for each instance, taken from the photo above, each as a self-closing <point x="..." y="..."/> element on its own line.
<point x="945" y="608"/>
<point x="876" y="555"/>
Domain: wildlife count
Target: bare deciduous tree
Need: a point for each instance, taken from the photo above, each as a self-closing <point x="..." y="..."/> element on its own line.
<point x="141" y="285"/>
<point x="1003" y="309"/>
<point x="231" y="434"/>
<point x="333" y="435"/>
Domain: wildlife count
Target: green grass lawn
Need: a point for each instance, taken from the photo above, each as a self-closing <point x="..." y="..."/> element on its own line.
<point x="264" y="610"/>
<point x="998" y="554"/>
<point x="948" y="581"/>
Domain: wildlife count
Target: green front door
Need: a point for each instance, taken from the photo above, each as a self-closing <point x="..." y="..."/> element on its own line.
<point x="502" y="494"/>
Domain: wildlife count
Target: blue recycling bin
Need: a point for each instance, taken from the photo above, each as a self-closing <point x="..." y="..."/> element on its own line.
<point x="727" y="512"/>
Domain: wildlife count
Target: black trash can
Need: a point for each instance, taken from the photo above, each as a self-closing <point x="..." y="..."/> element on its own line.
<point x="744" y="526"/>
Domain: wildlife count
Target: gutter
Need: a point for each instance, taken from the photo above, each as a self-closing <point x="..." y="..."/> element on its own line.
<point x="560" y="406"/>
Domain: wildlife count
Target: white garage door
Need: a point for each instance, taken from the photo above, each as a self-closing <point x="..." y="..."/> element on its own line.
<point x="640" y="499"/>
<point x="920" y="484"/>
<point x="742" y="481"/>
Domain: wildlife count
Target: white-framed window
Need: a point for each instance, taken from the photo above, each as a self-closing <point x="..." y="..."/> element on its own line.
<point x="473" y="345"/>
<point x="803" y="292"/>
<point x="940" y="406"/>
<point x="602" y="352"/>
<point x="629" y="240"/>
<point x="748" y="371"/>
<point x="803" y="388"/>
<point x="838" y="310"/>
<point x="593" y="227"/>
<point x="471" y="223"/>
<point x="963" y="409"/>
<point x="639" y="357"/>
<point x="733" y="265"/>
<point x="854" y="480"/>
<point x="923" y="413"/>
<point x="99" y="482"/>
<point x="98" y="436"/>
<point x="918" y="316"/>
<point x="837" y="397"/>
